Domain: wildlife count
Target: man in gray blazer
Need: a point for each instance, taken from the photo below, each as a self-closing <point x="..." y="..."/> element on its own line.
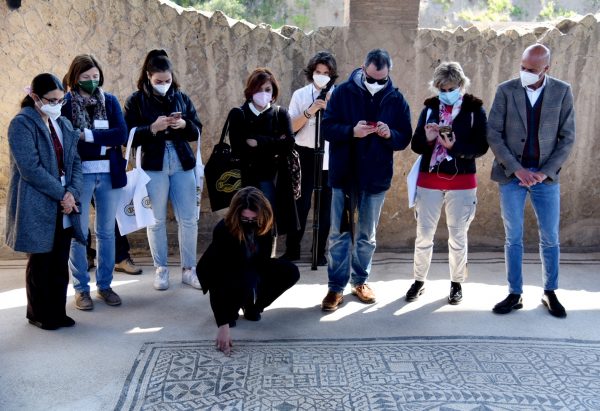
<point x="531" y="131"/>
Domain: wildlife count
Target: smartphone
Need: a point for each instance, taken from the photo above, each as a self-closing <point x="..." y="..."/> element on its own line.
<point x="372" y="123"/>
<point x="176" y="114"/>
<point x="446" y="133"/>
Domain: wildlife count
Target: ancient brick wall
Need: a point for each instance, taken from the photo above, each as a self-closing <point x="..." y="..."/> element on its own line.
<point x="213" y="55"/>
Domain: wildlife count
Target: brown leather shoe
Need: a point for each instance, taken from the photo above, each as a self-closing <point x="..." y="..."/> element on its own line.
<point x="364" y="293"/>
<point x="332" y="301"/>
<point x="128" y="267"/>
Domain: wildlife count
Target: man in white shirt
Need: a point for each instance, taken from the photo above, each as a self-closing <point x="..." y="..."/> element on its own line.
<point x="321" y="72"/>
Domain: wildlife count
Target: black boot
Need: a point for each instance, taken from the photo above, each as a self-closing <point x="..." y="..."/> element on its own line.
<point x="512" y="302"/>
<point x="553" y="305"/>
<point x="415" y="291"/>
<point x="456" y="295"/>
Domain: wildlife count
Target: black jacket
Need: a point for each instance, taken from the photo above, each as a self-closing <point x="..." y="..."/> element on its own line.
<point x="469" y="126"/>
<point x="272" y="130"/>
<point x="142" y="108"/>
<point x="224" y="266"/>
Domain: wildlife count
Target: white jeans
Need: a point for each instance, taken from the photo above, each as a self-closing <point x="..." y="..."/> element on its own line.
<point x="460" y="211"/>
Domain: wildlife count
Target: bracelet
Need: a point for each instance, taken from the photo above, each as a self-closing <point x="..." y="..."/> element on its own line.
<point x="152" y="132"/>
<point x="307" y="114"/>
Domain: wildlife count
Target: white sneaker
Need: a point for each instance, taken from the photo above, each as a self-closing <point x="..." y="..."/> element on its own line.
<point x="189" y="277"/>
<point x="161" y="278"/>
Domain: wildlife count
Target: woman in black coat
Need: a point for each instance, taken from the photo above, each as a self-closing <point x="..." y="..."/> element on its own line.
<point x="261" y="137"/>
<point x="237" y="268"/>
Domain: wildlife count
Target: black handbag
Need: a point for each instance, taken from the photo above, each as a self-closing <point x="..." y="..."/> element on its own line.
<point x="222" y="173"/>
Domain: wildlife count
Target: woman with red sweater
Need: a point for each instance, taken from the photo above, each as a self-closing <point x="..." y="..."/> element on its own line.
<point x="450" y="135"/>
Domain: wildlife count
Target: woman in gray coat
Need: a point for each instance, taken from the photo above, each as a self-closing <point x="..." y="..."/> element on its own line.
<point x="45" y="179"/>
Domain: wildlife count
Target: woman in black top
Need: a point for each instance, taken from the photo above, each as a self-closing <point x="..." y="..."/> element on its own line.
<point x="166" y="121"/>
<point x="237" y="268"/>
<point x="261" y="137"/>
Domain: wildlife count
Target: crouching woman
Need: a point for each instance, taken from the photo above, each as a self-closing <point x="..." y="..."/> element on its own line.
<point x="237" y="268"/>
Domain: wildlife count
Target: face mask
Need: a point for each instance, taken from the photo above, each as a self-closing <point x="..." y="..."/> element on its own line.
<point x="262" y="98"/>
<point x="161" y="88"/>
<point x="321" y="80"/>
<point x="528" y="79"/>
<point x="52" y="111"/>
<point x="373" y="88"/>
<point x="89" y="86"/>
<point x="249" y="225"/>
<point x="449" y="97"/>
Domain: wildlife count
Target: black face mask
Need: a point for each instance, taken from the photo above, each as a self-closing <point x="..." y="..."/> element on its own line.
<point x="249" y="225"/>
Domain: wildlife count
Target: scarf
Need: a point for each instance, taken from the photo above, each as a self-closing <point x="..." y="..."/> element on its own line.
<point x="82" y="106"/>
<point x="447" y="115"/>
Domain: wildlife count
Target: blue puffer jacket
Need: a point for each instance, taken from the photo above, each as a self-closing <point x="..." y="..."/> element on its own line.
<point x="366" y="164"/>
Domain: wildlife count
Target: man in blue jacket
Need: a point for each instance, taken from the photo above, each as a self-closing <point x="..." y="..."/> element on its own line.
<point x="366" y="120"/>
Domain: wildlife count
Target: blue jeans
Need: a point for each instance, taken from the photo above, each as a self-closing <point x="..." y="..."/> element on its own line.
<point x="98" y="186"/>
<point x="180" y="186"/>
<point x="347" y="261"/>
<point x="545" y="199"/>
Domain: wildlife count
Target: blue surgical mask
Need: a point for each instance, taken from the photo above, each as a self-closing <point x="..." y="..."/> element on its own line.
<point x="449" y="97"/>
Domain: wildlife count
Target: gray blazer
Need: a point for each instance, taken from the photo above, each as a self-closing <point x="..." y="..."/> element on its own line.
<point x="35" y="189"/>
<point x="507" y="129"/>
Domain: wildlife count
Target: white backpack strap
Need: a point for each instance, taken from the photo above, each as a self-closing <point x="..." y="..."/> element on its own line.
<point x="128" y="150"/>
<point x="198" y="152"/>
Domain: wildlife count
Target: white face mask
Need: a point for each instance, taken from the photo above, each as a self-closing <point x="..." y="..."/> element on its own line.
<point x="161" y="88"/>
<point x="321" y="80"/>
<point x="262" y="98"/>
<point x="528" y="79"/>
<point x="373" y="88"/>
<point x="52" y="111"/>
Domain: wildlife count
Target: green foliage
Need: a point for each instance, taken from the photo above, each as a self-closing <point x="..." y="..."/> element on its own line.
<point x="551" y="12"/>
<point x="272" y="12"/>
<point x="497" y="10"/>
<point x="445" y="4"/>
<point x="232" y="8"/>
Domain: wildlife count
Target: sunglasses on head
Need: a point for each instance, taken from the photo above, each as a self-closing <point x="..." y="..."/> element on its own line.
<point x="371" y="80"/>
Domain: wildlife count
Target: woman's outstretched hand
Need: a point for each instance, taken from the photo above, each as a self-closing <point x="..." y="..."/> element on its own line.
<point x="223" y="342"/>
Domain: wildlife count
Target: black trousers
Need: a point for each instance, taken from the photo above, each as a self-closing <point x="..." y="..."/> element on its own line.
<point x="47" y="278"/>
<point x="304" y="204"/>
<point x="273" y="280"/>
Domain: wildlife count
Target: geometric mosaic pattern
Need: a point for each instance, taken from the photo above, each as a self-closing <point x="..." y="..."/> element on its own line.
<point x="437" y="373"/>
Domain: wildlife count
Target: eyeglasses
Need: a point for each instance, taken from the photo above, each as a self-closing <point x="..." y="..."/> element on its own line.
<point x="55" y="102"/>
<point x="248" y="220"/>
<point x="371" y="80"/>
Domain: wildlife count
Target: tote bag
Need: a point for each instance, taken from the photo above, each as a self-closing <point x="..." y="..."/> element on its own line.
<point x="134" y="210"/>
<point x="222" y="173"/>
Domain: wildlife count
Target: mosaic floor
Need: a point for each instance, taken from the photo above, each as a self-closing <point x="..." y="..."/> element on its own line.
<point x="435" y="373"/>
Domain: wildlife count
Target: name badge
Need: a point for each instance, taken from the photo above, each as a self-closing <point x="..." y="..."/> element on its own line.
<point x="101" y="124"/>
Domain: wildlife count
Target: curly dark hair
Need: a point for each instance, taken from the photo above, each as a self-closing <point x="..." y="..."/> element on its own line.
<point x="322" y="57"/>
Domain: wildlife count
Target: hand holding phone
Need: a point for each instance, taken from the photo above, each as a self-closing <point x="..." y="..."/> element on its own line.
<point x="372" y="123"/>
<point x="176" y="115"/>
<point x="446" y="133"/>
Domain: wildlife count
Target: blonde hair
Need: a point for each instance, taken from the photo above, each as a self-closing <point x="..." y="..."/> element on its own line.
<point x="250" y="198"/>
<point x="448" y="72"/>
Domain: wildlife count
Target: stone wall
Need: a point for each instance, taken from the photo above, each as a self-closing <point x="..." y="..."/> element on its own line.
<point x="213" y="56"/>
